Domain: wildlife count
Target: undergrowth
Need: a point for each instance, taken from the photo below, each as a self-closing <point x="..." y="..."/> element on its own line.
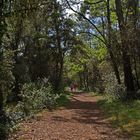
<point x="35" y="99"/>
<point x="123" y="115"/>
<point x="63" y="99"/>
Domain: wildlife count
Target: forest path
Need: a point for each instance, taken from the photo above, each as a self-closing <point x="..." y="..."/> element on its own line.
<point x="81" y="119"/>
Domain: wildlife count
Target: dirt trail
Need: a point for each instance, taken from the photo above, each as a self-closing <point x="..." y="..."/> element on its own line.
<point x="80" y="120"/>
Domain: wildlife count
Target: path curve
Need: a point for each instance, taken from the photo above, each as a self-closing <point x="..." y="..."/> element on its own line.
<point x="81" y="119"/>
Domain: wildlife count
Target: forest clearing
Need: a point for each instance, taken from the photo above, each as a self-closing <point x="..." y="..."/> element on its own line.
<point x="69" y="69"/>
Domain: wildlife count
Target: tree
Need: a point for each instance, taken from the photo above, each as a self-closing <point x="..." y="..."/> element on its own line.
<point x="6" y="77"/>
<point x="110" y="45"/>
<point x="127" y="67"/>
<point x="118" y="41"/>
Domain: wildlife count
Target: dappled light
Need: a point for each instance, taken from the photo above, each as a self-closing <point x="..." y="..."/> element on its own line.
<point x="80" y="119"/>
<point x="69" y="69"/>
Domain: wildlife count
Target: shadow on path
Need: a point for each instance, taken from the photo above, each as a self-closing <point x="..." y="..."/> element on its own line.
<point x="83" y="111"/>
<point x="86" y="111"/>
<point x="81" y="119"/>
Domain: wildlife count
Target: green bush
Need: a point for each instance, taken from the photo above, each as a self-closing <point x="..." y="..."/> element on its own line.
<point x="36" y="97"/>
<point x="113" y="90"/>
<point x="14" y="117"/>
<point x="63" y="99"/>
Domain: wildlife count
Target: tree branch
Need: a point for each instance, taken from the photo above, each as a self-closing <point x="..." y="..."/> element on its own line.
<point x="94" y="36"/>
<point x="84" y="17"/>
<point x="94" y="2"/>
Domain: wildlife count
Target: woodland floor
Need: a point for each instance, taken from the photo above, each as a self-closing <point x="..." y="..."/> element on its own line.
<point x="81" y="119"/>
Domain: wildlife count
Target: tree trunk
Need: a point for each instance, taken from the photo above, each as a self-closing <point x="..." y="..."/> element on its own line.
<point x="136" y="72"/>
<point x="80" y="81"/>
<point x="16" y="90"/>
<point x="3" y="135"/>
<point x="115" y="67"/>
<point x="1" y="35"/>
<point x="133" y="18"/>
<point x="128" y="76"/>
<point x="59" y="59"/>
<point x="109" y="45"/>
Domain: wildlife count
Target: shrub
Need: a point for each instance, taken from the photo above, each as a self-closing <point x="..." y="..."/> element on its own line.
<point x="63" y="99"/>
<point x="36" y="97"/>
<point x="113" y="89"/>
<point x="14" y="118"/>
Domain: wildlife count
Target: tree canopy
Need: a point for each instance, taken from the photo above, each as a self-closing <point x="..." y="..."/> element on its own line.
<point x="92" y="43"/>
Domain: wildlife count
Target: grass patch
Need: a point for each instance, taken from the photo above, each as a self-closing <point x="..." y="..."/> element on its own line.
<point x="124" y="116"/>
<point x="63" y="99"/>
<point x="93" y="93"/>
